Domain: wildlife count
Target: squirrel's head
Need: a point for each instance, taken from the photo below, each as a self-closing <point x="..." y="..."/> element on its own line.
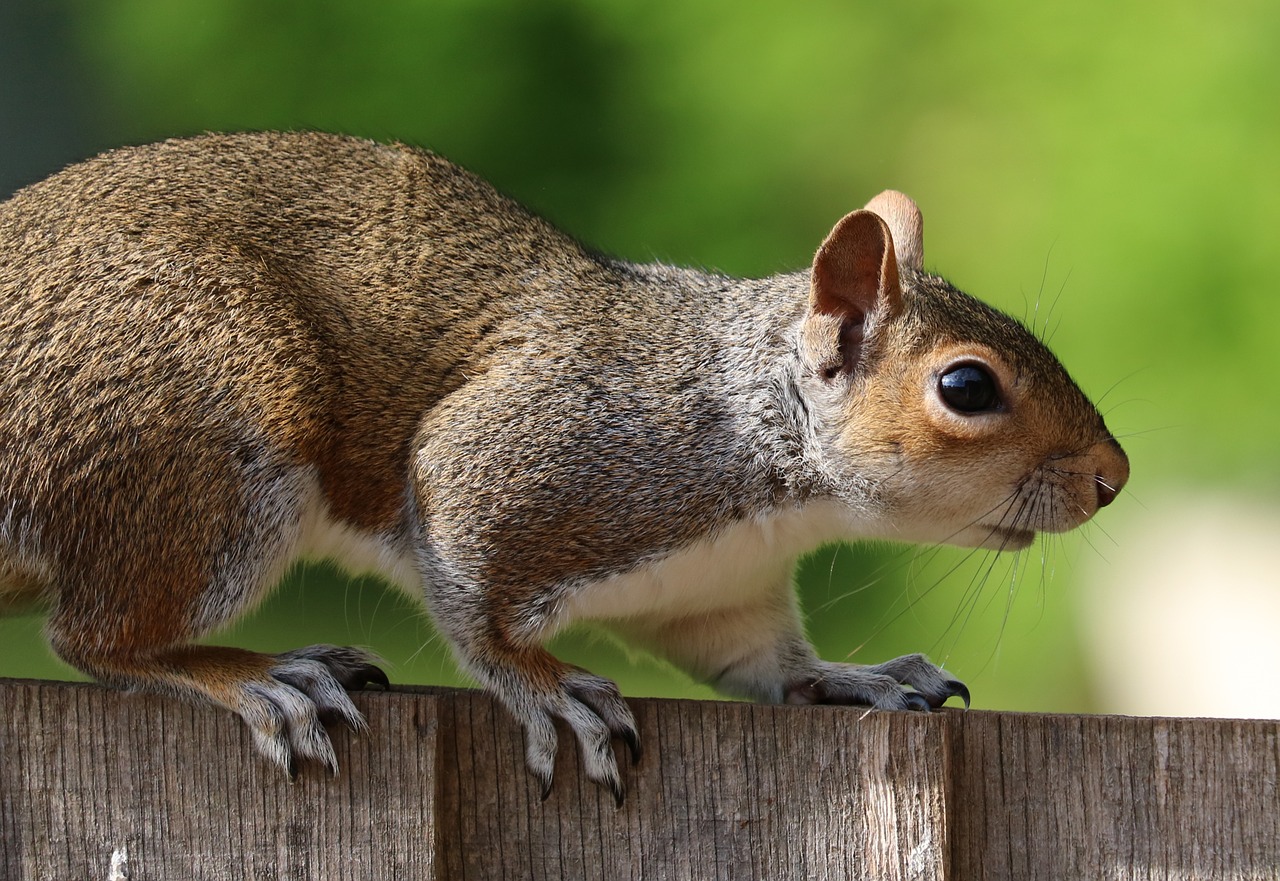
<point x="942" y="418"/>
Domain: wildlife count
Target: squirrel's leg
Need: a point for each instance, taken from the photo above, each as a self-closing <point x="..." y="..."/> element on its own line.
<point x="285" y="699"/>
<point x="491" y="580"/>
<point x="130" y="607"/>
<point x="758" y="650"/>
<point x="536" y="687"/>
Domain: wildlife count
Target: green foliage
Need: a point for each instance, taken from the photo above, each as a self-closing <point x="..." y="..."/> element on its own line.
<point x="1106" y="170"/>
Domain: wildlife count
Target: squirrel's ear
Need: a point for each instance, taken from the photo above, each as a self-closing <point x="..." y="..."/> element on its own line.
<point x="905" y="222"/>
<point x="853" y="288"/>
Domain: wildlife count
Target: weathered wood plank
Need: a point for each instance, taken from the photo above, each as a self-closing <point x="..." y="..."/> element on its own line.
<point x="92" y="779"/>
<point x="1071" y="797"/>
<point x="724" y="790"/>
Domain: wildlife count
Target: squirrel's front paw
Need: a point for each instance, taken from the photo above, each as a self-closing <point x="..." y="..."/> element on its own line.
<point x="879" y="685"/>
<point x="593" y="707"/>
<point x="287" y="709"/>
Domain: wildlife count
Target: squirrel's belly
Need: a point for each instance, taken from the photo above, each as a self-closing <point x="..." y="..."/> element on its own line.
<point x="321" y="536"/>
<point x="726" y="569"/>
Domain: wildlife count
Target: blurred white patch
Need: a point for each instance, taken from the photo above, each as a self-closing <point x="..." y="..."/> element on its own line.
<point x="119" y="868"/>
<point x="1182" y="618"/>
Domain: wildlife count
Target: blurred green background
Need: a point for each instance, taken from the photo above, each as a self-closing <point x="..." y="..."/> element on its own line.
<point x="1110" y="171"/>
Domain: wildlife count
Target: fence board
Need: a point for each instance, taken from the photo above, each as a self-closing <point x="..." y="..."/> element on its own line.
<point x="93" y="778"/>
<point x="725" y="790"/>
<point x="95" y="782"/>
<point x="1047" y="796"/>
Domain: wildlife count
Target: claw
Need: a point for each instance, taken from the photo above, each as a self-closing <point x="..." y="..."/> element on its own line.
<point x="372" y="675"/>
<point x="632" y="740"/>
<point x="916" y="701"/>
<point x="958" y="689"/>
<point x="331" y="717"/>
<point x="619" y="793"/>
<point x="951" y="688"/>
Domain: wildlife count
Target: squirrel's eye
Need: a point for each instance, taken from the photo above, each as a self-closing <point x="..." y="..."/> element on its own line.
<point x="968" y="389"/>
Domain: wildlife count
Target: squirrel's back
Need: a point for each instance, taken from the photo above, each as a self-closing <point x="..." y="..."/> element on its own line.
<point x="370" y="235"/>
<point x="253" y="307"/>
<point x="326" y="289"/>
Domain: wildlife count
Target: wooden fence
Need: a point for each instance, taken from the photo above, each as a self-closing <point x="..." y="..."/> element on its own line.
<point x="96" y="784"/>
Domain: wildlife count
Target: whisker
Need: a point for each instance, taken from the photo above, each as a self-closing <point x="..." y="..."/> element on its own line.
<point x="1135" y="498"/>
<point x="885" y="623"/>
<point x="1033" y="501"/>
<point x="986" y="575"/>
<point x="852" y="592"/>
<point x="1115" y="385"/>
<point x="1069" y="473"/>
<point x="1084" y="535"/>
<point x="1044" y="276"/>
<point x="899" y="561"/>
<point x="1139" y="433"/>
<point x="422" y="647"/>
<point x="973" y="591"/>
<point x="912" y="554"/>
<point x="1008" y="610"/>
<point x="1053" y="307"/>
<point x="1045" y="572"/>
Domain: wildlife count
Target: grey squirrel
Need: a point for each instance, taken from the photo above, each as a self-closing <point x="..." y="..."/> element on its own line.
<point x="227" y="352"/>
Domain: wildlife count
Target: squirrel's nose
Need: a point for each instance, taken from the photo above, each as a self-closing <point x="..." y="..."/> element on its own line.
<point x="1113" y="473"/>
<point x="1106" y="492"/>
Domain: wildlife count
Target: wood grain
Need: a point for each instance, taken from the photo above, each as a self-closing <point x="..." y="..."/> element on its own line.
<point x="1044" y="796"/>
<point x="98" y="784"/>
<point x="93" y="778"/>
<point x="724" y="791"/>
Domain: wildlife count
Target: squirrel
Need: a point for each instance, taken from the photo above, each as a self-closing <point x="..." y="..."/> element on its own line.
<point x="225" y="353"/>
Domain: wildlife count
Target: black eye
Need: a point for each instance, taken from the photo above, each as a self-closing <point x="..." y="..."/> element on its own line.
<point x="968" y="389"/>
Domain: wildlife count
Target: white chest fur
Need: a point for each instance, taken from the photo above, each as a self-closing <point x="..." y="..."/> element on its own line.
<point x="729" y="569"/>
<point x="320" y="536"/>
